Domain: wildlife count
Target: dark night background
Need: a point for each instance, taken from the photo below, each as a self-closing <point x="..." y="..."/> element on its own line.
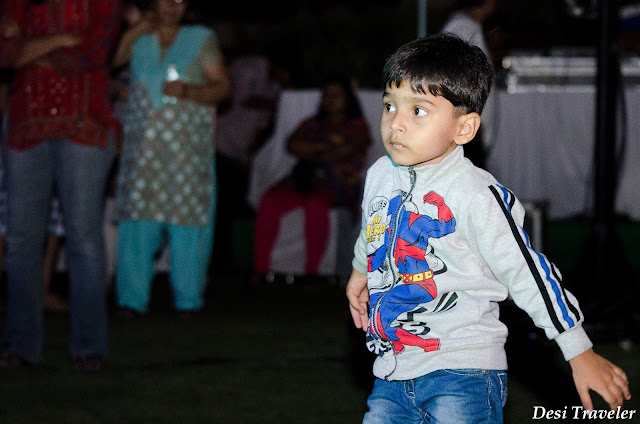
<point x="317" y="37"/>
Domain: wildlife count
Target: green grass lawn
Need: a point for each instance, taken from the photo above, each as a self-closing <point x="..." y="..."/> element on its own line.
<point x="253" y="356"/>
<point x="278" y="354"/>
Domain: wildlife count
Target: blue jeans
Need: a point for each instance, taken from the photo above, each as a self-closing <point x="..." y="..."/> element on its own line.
<point x="80" y="174"/>
<point x="469" y="396"/>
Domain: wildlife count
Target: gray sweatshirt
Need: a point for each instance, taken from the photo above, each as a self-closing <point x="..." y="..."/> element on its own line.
<point x="441" y="245"/>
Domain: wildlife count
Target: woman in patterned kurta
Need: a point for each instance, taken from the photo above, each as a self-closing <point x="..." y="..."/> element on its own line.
<point x="166" y="181"/>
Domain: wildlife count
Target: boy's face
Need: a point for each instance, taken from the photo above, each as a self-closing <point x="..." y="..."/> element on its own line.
<point x="419" y="129"/>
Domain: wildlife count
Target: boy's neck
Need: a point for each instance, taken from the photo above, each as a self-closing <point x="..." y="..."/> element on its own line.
<point x="442" y="159"/>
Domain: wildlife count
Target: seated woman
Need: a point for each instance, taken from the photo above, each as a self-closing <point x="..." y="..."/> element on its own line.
<point x="330" y="147"/>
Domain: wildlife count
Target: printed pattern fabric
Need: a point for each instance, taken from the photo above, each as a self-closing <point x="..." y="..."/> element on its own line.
<point x="441" y="245"/>
<point x="69" y="99"/>
<point x="166" y="165"/>
<point x="407" y="265"/>
<point x="166" y="162"/>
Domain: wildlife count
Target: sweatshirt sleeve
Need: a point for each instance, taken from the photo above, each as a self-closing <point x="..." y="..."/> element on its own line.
<point x="496" y="220"/>
<point x="360" y="251"/>
<point x="360" y="259"/>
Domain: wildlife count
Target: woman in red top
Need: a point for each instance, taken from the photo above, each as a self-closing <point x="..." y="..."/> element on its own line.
<point x="61" y="130"/>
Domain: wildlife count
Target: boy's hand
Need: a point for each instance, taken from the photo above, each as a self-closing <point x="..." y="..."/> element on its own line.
<point x="592" y="371"/>
<point x="358" y="296"/>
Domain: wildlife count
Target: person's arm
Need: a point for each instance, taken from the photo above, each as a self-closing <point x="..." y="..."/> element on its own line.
<point x="357" y="290"/>
<point x="97" y="41"/>
<point x="358" y="296"/>
<point x="333" y="147"/>
<point x="217" y="86"/>
<point x="11" y="44"/>
<point x="124" y="50"/>
<point x="216" y="89"/>
<point x="494" y="228"/>
<point x="353" y="145"/>
<point x="593" y="372"/>
<point x="308" y="141"/>
<point x="8" y="28"/>
<point x="37" y="49"/>
<point x="357" y="139"/>
<point x="17" y="51"/>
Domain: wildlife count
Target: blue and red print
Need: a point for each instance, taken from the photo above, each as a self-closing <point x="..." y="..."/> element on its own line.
<point x="407" y="236"/>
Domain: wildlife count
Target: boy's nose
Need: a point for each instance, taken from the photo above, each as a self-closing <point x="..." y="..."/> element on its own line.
<point x="397" y="126"/>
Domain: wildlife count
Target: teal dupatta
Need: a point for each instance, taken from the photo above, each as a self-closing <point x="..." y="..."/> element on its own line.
<point x="149" y="65"/>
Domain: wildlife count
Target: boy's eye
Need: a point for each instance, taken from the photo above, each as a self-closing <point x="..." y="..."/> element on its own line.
<point x="419" y="111"/>
<point x="389" y="108"/>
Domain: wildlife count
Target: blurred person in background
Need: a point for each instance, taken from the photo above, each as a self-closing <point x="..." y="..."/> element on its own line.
<point x="331" y="151"/>
<point x="166" y="177"/>
<point x="467" y="23"/>
<point x="630" y="27"/>
<point x="52" y="301"/>
<point x="242" y="127"/>
<point x="60" y="130"/>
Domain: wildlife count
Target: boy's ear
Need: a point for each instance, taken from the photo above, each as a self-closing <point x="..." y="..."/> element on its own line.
<point x="469" y="125"/>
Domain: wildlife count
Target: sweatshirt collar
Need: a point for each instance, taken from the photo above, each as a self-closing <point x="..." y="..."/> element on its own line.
<point x="430" y="171"/>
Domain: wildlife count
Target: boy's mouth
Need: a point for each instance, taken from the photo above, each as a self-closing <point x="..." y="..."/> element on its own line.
<point x="395" y="144"/>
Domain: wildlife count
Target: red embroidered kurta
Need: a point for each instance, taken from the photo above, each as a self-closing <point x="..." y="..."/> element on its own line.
<point x="72" y="99"/>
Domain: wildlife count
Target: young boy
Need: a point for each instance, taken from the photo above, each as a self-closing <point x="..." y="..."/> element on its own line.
<point x="441" y="244"/>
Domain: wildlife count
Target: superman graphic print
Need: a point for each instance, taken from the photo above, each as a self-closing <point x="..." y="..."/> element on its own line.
<point x="403" y="268"/>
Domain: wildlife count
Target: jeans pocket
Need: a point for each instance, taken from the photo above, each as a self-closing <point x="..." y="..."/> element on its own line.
<point x="466" y="371"/>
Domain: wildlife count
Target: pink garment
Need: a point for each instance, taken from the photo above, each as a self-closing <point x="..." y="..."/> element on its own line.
<point x="276" y="203"/>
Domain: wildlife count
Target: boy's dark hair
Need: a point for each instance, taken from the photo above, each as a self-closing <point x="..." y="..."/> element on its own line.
<point x="446" y="66"/>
